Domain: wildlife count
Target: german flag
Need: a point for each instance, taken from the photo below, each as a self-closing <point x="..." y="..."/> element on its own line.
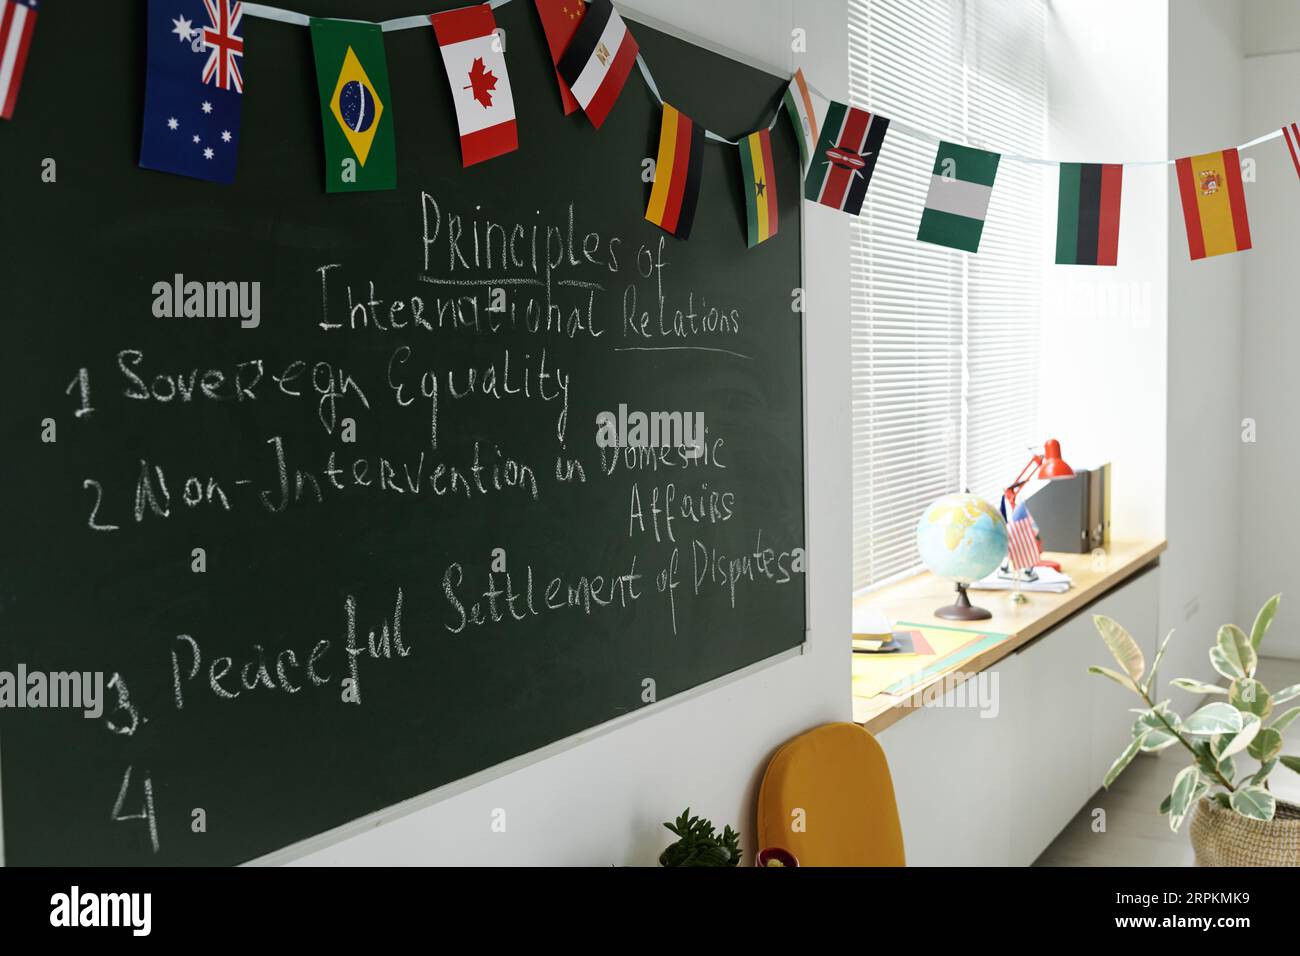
<point x="1087" y="214"/>
<point x="677" y="173"/>
<point x="759" y="185"/>
<point x="1214" y="204"/>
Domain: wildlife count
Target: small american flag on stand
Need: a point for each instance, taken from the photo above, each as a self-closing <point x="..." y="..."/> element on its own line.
<point x="1292" y="134"/>
<point x="1022" y="540"/>
<point x="17" y="21"/>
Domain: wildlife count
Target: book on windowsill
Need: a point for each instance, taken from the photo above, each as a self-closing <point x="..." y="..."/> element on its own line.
<point x="1041" y="579"/>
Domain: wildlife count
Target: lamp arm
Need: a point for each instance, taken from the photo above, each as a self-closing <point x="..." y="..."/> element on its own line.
<point x="1021" y="480"/>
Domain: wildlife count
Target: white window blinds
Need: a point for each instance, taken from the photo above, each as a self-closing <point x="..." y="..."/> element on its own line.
<point x="945" y="345"/>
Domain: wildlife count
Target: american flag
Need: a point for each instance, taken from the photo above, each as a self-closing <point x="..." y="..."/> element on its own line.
<point x="17" y="21"/>
<point x="1022" y="535"/>
<point x="221" y="36"/>
<point x="1292" y="134"/>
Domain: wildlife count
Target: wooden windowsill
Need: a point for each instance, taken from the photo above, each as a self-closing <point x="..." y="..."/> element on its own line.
<point x="916" y="599"/>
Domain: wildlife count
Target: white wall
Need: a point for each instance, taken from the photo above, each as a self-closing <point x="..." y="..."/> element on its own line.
<point x="1270" y="387"/>
<point x="602" y="802"/>
<point x="1205" y="346"/>
<point x="1103" y="328"/>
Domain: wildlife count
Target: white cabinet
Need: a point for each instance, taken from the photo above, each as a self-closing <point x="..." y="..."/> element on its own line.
<point x="950" y="766"/>
<point x="995" y="790"/>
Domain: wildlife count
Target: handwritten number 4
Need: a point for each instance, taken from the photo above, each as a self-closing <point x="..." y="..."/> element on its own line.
<point x="146" y="814"/>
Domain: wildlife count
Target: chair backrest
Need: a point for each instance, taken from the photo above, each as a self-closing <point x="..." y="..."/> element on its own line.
<point x="827" y="797"/>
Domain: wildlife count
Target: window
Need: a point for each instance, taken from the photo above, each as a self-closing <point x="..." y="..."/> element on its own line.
<point x="945" y="344"/>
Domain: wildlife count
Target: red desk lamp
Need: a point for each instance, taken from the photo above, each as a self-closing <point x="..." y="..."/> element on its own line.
<point x="1049" y="465"/>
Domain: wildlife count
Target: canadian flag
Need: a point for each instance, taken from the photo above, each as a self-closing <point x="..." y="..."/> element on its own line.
<point x="480" y="87"/>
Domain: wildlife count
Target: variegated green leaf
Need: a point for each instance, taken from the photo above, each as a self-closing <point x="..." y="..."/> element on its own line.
<point x="1164" y="804"/>
<point x="1232" y="655"/>
<point x="1222" y="799"/>
<point x="1254" y="802"/>
<point x="1180" y="797"/>
<point x="1122" y="647"/>
<point x="1235" y="743"/>
<point x="1122" y="761"/>
<point x="1155" y="730"/>
<point x="1250" y="696"/>
<point x="1266" y="745"/>
<point x="1284" y="721"/>
<point x="1291" y="763"/>
<point x="1196" y="687"/>
<point x="1122" y="679"/>
<point x="1155" y="665"/>
<point x="1216" y="718"/>
<point x="1263" y="619"/>
<point x="1286" y="694"/>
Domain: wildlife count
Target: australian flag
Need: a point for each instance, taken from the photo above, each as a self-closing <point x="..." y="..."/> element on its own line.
<point x="194" y="88"/>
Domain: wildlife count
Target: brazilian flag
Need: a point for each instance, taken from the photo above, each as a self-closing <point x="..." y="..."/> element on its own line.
<point x="356" y="108"/>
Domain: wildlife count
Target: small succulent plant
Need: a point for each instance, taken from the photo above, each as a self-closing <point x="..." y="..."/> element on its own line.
<point x="1215" y="733"/>
<point x="698" y="845"/>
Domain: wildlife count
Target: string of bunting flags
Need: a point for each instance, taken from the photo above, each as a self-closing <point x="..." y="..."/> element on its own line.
<point x="194" y="91"/>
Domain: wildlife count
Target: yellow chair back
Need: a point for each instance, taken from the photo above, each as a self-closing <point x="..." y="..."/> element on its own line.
<point x="827" y="797"/>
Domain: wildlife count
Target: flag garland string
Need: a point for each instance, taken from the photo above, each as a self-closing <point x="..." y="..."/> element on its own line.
<point x="266" y="12"/>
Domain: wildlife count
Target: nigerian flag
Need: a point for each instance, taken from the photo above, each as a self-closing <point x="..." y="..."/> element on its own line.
<point x="958" y="201"/>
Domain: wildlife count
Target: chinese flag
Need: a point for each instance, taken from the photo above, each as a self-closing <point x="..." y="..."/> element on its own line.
<point x="560" y="18"/>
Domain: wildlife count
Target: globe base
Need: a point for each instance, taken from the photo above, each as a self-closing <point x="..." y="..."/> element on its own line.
<point x="963" y="610"/>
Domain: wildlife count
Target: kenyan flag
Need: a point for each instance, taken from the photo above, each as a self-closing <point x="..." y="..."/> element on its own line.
<point x="840" y="167"/>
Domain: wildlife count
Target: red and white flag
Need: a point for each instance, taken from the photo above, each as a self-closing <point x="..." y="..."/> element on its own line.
<point x="1292" y="134"/>
<point x="560" y="19"/>
<point x="1022" y="540"/>
<point x="17" y="21"/>
<point x="480" y="87"/>
<point x="598" y="60"/>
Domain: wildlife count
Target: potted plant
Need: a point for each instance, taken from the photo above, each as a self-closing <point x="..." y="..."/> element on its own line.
<point x="1238" y="820"/>
<point x="698" y="845"/>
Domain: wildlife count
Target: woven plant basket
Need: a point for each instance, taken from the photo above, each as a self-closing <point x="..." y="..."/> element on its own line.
<point x="1225" y="838"/>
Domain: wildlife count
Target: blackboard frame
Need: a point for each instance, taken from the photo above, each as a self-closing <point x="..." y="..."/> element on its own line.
<point x="370" y="821"/>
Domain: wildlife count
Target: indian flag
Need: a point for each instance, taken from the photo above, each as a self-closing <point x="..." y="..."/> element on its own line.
<point x="802" y="109"/>
<point x="958" y="202"/>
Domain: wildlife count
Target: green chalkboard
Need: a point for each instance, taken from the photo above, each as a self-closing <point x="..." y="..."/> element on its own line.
<point x="224" y="511"/>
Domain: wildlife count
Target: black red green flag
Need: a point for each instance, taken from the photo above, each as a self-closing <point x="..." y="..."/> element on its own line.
<point x="1087" y="214"/>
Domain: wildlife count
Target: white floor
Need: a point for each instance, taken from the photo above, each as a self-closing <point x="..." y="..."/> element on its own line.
<point x="1135" y="832"/>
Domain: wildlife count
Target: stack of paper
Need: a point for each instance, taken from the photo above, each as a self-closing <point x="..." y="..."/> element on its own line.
<point x="1045" y="579"/>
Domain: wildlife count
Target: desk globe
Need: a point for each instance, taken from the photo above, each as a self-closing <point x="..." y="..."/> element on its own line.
<point x="963" y="538"/>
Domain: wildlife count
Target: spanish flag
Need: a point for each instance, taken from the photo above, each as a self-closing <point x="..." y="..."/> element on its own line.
<point x="1214" y="204"/>
<point x="759" y="185"/>
<point x="677" y="173"/>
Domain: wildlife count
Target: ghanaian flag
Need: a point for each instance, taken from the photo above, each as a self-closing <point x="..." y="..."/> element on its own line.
<point x="1214" y="203"/>
<point x="759" y="185"/>
<point x="677" y="173"/>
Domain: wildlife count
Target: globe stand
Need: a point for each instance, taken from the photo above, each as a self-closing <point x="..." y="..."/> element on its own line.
<point x="963" y="610"/>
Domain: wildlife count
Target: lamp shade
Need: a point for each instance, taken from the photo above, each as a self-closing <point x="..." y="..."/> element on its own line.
<point x="1053" y="465"/>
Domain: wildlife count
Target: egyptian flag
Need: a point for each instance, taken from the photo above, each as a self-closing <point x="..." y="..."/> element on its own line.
<point x="677" y="173"/>
<point x="1292" y="134"/>
<point x="475" y="60"/>
<point x="1214" y="203"/>
<point x="840" y="168"/>
<point x="17" y="21"/>
<point x="759" y="185"/>
<point x="598" y="59"/>
<point x="560" y="19"/>
<point x="1087" y="214"/>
